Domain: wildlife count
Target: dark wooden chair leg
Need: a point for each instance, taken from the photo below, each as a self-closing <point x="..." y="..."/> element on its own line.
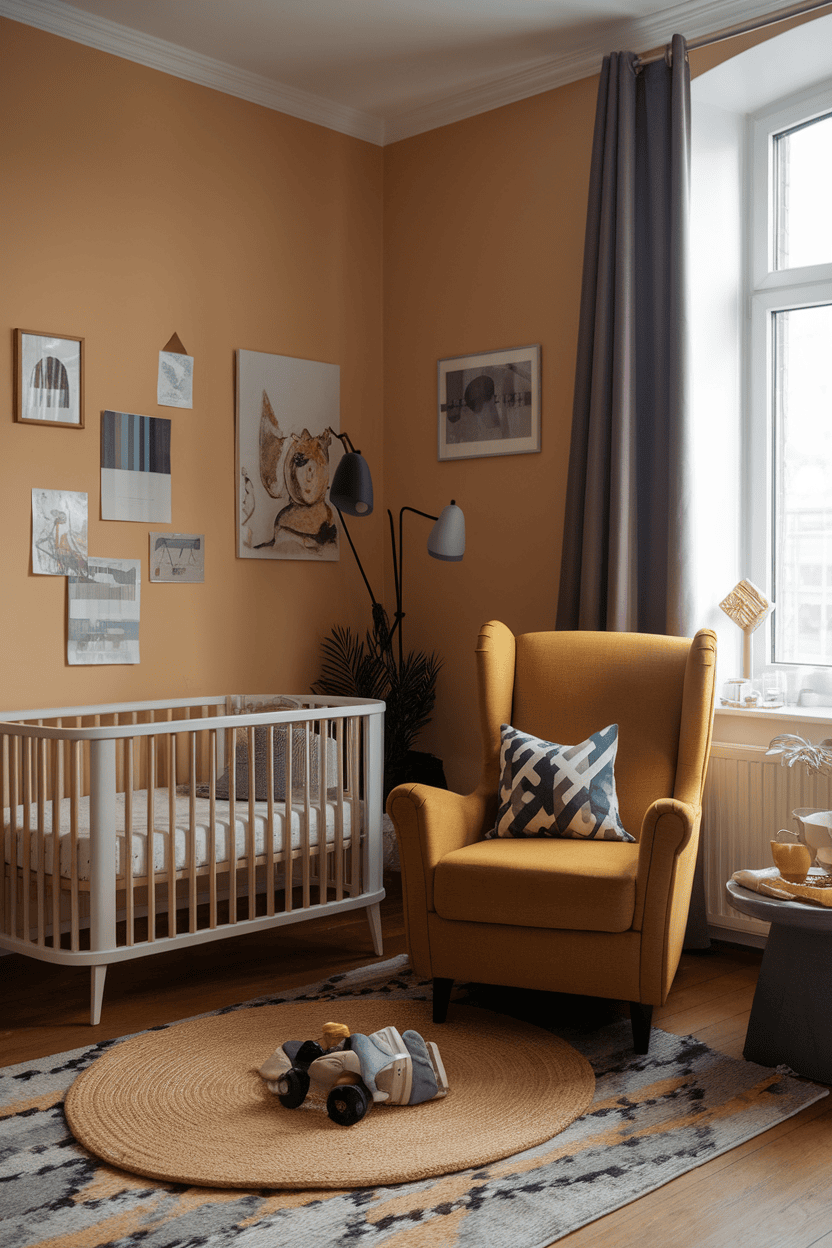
<point x="641" y="1017"/>
<point x="441" y="998"/>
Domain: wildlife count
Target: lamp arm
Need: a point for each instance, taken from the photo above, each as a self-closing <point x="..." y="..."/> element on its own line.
<point x="346" y="442"/>
<point x="398" y="569"/>
<point x="357" y="560"/>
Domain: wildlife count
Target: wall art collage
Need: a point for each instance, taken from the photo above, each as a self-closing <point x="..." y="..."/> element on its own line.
<point x="104" y="593"/>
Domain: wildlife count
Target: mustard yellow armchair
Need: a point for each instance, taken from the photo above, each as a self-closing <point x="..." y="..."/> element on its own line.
<point x="601" y="918"/>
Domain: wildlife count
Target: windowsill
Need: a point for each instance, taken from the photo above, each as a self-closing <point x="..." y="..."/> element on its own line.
<point x="736" y="724"/>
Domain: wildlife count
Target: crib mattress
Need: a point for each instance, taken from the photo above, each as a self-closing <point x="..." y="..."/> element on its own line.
<point x="258" y="812"/>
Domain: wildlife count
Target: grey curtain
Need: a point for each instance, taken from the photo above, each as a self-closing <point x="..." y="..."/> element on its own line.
<point x="628" y="535"/>
<point x="626" y="540"/>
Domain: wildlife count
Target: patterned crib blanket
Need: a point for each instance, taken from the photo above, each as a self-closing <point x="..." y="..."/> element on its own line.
<point x="257" y="812"/>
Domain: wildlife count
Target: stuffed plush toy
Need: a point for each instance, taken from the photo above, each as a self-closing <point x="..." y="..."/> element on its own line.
<point x="357" y="1070"/>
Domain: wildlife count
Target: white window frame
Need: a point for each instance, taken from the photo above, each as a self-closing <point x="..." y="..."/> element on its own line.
<point x="770" y="290"/>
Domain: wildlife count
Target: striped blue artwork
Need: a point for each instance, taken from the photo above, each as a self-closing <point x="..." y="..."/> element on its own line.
<point x="135" y="467"/>
<point x="135" y="443"/>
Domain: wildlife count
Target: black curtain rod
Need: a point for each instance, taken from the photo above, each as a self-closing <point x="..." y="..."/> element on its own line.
<point x="744" y="28"/>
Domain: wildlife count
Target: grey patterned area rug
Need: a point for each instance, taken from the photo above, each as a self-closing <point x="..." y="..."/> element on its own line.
<point x="652" y="1119"/>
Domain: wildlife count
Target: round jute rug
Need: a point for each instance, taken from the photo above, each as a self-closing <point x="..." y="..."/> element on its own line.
<point x="186" y="1104"/>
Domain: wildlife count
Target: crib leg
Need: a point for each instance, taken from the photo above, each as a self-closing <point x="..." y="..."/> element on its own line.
<point x="97" y="976"/>
<point x="374" y="919"/>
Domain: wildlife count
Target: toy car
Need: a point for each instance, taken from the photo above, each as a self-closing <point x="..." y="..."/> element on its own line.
<point x="357" y="1070"/>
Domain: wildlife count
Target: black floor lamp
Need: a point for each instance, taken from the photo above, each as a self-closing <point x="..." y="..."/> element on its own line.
<point x="351" y="493"/>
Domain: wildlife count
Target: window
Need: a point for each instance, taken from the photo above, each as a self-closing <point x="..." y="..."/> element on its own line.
<point x="790" y="360"/>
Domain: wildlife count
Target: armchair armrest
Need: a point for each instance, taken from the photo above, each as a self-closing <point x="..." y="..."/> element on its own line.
<point x="667" y="858"/>
<point x="430" y="823"/>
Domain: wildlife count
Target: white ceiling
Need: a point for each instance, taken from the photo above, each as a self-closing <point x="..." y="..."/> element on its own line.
<point x="378" y="69"/>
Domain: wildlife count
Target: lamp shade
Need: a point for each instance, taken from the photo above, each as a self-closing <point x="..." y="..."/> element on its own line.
<point x="447" y="537"/>
<point x="351" y="490"/>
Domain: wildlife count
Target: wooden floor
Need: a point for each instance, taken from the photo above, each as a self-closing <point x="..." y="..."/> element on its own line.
<point x="773" y="1192"/>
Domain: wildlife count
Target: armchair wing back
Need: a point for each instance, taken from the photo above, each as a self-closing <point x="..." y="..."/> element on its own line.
<point x="603" y="918"/>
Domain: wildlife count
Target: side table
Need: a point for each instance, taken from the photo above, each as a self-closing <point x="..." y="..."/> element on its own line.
<point x="791" y="1016"/>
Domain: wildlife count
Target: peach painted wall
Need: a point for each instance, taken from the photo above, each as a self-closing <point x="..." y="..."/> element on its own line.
<point x="484" y="231"/>
<point x="135" y="205"/>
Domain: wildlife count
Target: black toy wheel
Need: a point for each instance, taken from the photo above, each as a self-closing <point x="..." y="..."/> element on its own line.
<point x="292" y="1088"/>
<point x="348" y="1104"/>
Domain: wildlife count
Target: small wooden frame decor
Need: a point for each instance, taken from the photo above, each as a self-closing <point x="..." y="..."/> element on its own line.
<point x="489" y="404"/>
<point x="49" y="379"/>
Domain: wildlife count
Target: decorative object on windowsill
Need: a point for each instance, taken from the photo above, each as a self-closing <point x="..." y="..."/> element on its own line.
<point x="375" y="667"/>
<point x="748" y="607"/>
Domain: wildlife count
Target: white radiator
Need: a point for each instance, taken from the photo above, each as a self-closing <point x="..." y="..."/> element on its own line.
<point x="748" y="797"/>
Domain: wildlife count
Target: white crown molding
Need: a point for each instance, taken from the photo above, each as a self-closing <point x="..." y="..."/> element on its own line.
<point x="693" y="20"/>
<point x="169" y="58"/>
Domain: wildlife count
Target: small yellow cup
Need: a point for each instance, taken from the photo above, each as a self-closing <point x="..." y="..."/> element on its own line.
<point x="792" y="860"/>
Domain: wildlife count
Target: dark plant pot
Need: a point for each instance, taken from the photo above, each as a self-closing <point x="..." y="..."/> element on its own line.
<point x="422" y="768"/>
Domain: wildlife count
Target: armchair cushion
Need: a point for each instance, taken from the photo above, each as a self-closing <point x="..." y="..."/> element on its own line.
<point x="567" y="884"/>
<point x="551" y="790"/>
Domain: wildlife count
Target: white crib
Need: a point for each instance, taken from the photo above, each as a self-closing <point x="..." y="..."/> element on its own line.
<point x="130" y="829"/>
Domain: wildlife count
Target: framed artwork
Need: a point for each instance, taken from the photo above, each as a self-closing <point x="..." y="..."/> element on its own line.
<point x="49" y="379"/>
<point x="288" y="416"/>
<point x="489" y="404"/>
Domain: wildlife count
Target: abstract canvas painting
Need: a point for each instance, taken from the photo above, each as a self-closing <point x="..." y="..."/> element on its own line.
<point x="104" y="612"/>
<point x="59" y="533"/>
<point x="177" y="557"/>
<point x="135" y="467"/>
<point x="287" y="413"/>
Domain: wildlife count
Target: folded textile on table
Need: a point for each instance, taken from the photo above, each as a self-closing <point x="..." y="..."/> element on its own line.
<point x="770" y="882"/>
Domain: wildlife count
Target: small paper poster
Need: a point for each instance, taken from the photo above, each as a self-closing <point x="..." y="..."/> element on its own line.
<point x="59" y="532"/>
<point x="135" y="467"/>
<point x="175" y="387"/>
<point x="177" y="557"/>
<point x="104" y="613"/>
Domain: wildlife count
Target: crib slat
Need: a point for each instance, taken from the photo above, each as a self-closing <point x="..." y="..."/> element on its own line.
<point x="212" y="828"/>
<point x="288" y="816"/>
<point x="191" y="837"/>
<point x="307" y="811"/>
<point x="74" y="799"/>
<point x="171" y="778"/>
<point x="127" y="771"/>
<point x="150" y="848"/>
<point x="57" y="795"/>
<point x="41" y="745"/>
<point x="358" y="737"/>
<point x="28" y="799"/>
<point x="269" y="843"/>
<point x="14" y="786"/>
<point x="231" y="739"/>
<point x="250" y="845"/>
<point x="323" y="811"/>
<point x="339" y="811"/>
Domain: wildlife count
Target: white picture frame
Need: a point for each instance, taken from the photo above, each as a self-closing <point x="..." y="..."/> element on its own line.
<point x="489" y="404"/>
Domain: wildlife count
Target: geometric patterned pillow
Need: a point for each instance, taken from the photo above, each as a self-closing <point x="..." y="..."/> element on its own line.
<point x="565" y="791"/>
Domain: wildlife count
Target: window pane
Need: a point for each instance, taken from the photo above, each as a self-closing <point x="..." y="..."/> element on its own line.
<point x="803" y="195"/>
<point x="802" y="539"/>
